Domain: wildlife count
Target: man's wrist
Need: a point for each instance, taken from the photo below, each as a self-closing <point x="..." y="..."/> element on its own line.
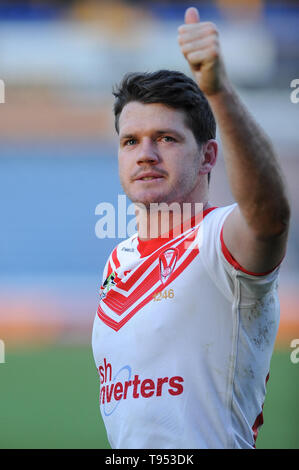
<point x="225" y="91"/>
<point x="224" y="100"/>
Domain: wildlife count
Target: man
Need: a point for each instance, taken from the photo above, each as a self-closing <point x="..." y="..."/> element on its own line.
<point x="187" y="320"/>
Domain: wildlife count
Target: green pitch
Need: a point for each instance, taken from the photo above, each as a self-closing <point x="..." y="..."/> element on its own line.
<point x="49" y="399"/>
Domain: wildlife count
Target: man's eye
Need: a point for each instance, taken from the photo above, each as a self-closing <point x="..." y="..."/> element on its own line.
<point x="130" y="142"/>
<point x="168" y="138"/>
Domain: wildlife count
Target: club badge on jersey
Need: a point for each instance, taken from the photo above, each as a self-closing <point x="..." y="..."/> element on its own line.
<point x="167" y="261"/>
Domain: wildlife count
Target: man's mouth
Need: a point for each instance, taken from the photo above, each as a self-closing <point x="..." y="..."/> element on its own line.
<point x="149" y="177"/>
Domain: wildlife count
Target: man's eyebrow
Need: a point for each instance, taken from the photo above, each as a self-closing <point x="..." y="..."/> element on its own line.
<point x="168" y="131"/>
<point x="126" y="136"/>
<point x="158" y="132"/>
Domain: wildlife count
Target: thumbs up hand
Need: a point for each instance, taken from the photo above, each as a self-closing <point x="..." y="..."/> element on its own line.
<point x="199" y="44"/>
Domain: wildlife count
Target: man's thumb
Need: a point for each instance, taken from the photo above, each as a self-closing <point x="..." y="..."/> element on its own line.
<point x="191" y="15"/>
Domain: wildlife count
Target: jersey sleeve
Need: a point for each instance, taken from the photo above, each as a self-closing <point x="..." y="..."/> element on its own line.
<point x="112" y="264"/>
<point x="224" y="270"/>
<point x="109" y="266"/>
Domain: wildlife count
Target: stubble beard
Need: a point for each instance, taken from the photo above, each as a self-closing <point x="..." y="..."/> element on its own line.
<point x="173" y="196"/>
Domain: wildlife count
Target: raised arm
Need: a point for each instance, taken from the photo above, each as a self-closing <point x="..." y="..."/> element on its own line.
<point x="255" y="233"/>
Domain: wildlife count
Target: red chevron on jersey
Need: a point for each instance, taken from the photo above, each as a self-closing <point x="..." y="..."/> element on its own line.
<point x="117" y="325"/>
<point x="147" y="278"/>
<point x="115" y="259"/>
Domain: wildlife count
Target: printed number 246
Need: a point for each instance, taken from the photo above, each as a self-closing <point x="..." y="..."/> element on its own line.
<point x="166" y="294"/>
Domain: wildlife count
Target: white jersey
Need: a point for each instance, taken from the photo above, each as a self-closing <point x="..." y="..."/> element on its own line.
<point x="182" y="342"/>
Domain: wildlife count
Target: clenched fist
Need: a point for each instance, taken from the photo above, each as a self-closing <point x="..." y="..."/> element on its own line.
<point x="199" y="43"/>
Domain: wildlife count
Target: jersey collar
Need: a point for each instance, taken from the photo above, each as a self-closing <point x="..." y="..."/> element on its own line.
<point x="146" y="247"/>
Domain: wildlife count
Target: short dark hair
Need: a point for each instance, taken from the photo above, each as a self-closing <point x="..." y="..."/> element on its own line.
<point x="173" y="89"/>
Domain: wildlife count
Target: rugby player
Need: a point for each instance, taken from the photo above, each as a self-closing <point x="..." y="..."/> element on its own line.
<point x="186" y="323"/>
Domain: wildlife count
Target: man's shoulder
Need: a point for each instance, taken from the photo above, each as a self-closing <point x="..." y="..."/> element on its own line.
<point x="213" y="218"/>
<point x="218" y="211"/>
<point x="210" y="231"/>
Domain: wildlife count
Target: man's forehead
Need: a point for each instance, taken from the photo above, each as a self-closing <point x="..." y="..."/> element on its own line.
<point x="138" y="116"/>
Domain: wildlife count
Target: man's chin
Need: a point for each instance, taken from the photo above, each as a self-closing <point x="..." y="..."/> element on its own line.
<point x="147" y="201"/>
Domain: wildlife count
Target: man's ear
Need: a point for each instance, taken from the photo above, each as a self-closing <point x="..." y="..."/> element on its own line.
<point x="209" y="156"/>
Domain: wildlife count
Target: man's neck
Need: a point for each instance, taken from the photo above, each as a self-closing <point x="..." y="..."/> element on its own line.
<point x="168" y="221"/>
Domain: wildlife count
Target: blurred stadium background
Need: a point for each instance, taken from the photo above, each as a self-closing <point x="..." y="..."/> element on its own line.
<point x="59" y="61"/>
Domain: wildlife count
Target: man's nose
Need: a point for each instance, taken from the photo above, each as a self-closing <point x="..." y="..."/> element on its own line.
<point x="148" y="152"/>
